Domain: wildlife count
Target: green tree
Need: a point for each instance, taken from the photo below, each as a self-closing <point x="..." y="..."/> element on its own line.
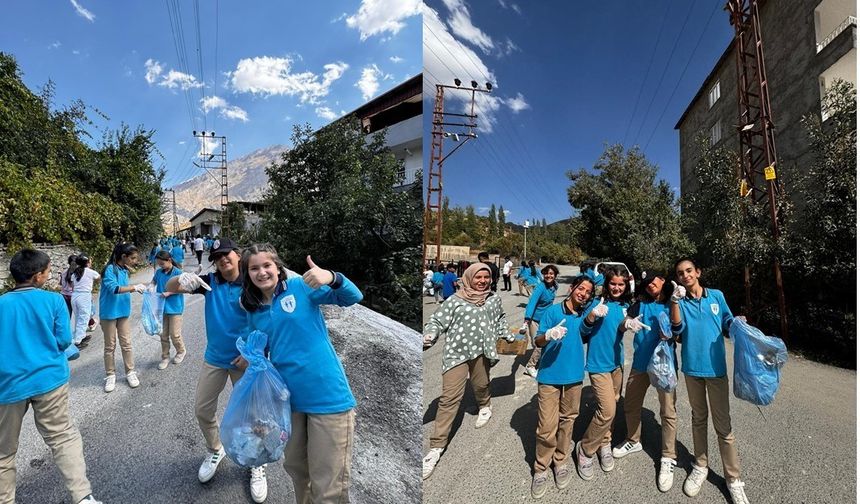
<point x="626" y="214"/>
<point x="332" y="197"/>
<point x="235" y="216"/>
<point x="492" y="223"/>
<point x="501" y="220"/>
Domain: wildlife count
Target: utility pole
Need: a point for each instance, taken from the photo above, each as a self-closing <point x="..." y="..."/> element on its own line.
<point x="525" y="238"/>
<point x="217" y="159"/>
<point x="437" y="158"/>
<point x="757" y="171"/>
<point x="175" y="218"/>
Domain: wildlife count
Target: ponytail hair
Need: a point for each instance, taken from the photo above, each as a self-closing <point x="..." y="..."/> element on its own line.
<point x="81" y="264"/>
<point x="67" y="276"/>
<point x="119" y="251"/>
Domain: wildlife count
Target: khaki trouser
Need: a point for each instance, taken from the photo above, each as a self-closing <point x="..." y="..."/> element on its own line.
<point x="637" y="385"/>
<point x="453" y="387"/>
<point x="318" y="457"/>
<point x="210" y="383"/>
<point x="713" y="391"/>
<point x="558" y="407"/>
<point x="535" y="357"/>
<point x="173" y="330"/>
<point x="607" y="390"/>
<point x="51" y="415"/>
<point x="113" y="330"/>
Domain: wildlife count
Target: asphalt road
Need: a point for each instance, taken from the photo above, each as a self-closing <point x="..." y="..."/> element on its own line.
<point x="143" y="445"/>
<point x="799" y="449"/>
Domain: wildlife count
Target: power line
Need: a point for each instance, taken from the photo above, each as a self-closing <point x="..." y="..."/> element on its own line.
<point x="666" y="67"/>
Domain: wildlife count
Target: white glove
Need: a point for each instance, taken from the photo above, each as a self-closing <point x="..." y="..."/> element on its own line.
<point x="525" y="328"/>
<point x="635" y="324"/>
<point x="678" y="293"/>
<point x="600" y="310"/>
<point x="190" y="282"/>
<point x="316" y="277"/>
<point x="140" y="288"/>
<point x="557" y="332"/>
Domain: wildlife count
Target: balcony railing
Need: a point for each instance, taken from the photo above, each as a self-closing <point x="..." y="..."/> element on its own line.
<point x="850" y="20"/>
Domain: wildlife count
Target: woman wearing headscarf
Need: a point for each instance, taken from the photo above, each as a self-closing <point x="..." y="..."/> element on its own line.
<point x="472" y="320"/>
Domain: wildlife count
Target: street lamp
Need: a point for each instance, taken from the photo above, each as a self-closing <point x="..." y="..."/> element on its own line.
<point x="525" y="237"/>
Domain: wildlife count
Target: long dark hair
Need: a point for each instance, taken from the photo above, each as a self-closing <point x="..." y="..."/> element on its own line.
<point x="68" y="275"/>
<point x="550" y="267"/>
<point x="81" y="263"/>
<point x="532" y="266"/>
<point x="576" y="283"/>
<point x="612" y="272"/>
<point x="252" y="297"/>
<point x="165" y="256"/>
<point x="122" y="249"/>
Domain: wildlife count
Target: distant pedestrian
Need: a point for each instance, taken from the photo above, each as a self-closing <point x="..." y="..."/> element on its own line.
<point x="472" y="321"/>
<point x="198" y="249"/>
<point x="438" y="276"/>
<point x="152" y="253"/>
<point x="66" y="287"/>
<point x="174" y="305"/>
<point x="559" y="377"/>
<point x="36" y="325"/>
<point x="542" y="298"/>
<point x="699" y="316"/>
<point x="449" y="282"/>
<point x="115" y="310"/>
<point x="522" y="274"/>
<point x="604" y="363"/>
<point x="82" y="280"/>
<point x="177" y="253"/>
<point x="506" y="274"/>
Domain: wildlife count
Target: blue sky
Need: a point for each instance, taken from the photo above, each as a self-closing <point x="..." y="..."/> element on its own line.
<point x="569" y="77"/>
<point x="278" y="64"/>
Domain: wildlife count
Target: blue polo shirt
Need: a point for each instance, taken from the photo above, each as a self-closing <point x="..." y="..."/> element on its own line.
<point x="542" y="298"/>
<point x="645" y="341"/>
<point x="226" y="321"/>
<point x="562" y="362"/>
<point x="535" y="279"/>
<point x="113" y="305"/>
<point x="605" y="341"/>
<point x="34" y="332"/>
<point x="175" y="304"/>
<point x="449" y="282"/>
<point x="178" y="254"/>
<point x="703" y="320"/>
<point x="299" y="344"/>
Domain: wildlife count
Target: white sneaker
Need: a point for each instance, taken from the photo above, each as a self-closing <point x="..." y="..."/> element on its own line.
<point x="178" y="358"/>
<point x="131" y="377"/>
<point x="532" y="371"/>
<point x="110" y="383"/>
<point x="626" y="449"/>
<point x="483" y="417"/>
<point x="89" y="499"/>
<point x="694" y="481"/>
<point x="163" y="364"/>
<point x="209" y="465"/>
<point x="736" y="489"/>
<point x="666" y="476"/>
<point x="430" y="461"/>
<point x="259" y="485"/>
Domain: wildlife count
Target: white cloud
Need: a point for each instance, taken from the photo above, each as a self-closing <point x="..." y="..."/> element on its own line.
<point x="211" y="103"/>
<point x="83" y="12"/>
<point x="380" y="16"/>
<point x="508" y="47"/>
<point x="75" y="52"/>
<point x="208" y="145"/>
<point x="271" y="76"/>
<point x="326" y="113"/>
<point x="234" y="112"/>
<point x="55" y="45"/>
<point x="153" y="70"/>
<point x="339" y="18"/>
<point x="460" y="22"/>
<point x="182" y="142"/>
<point x="517" y="104"/>
<point x="395" y="59"/>
<point x="177" y="79"/>
<point x="516" y="9"/>
<point x="226" y="110"/>
<point x="369" y="82"/>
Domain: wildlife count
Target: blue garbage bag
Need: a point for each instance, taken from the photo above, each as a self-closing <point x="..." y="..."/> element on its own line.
<point x="152" y="312"/>
<point x="256" y="424"/>
<point x="758" y="360"/>
<point x="661" y="368"/>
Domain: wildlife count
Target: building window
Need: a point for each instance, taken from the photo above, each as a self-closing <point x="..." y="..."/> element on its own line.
<point x="716" y="133"/>
<point x="714" y="95"/>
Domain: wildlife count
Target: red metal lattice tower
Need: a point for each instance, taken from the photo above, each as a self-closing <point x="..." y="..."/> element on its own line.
<point x="758" y="170"/>
<point x="434" y="181"/>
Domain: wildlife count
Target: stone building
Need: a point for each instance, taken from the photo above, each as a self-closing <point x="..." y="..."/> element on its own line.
<point x="807" y="45"/>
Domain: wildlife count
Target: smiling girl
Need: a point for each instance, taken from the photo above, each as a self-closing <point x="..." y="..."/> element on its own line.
<point x="318" y="454"/>
<point x="542" y="298"/>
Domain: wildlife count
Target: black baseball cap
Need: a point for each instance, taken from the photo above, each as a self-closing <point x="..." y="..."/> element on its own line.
<point x="648" y="277"/>
<point x="224" y="246"/>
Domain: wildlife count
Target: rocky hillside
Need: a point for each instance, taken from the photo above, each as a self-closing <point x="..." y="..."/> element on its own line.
<point x="246" y="179"/>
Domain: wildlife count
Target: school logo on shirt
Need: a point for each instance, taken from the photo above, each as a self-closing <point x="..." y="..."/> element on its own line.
<point x="288" y="303"/>
<point x="715" y="309"/>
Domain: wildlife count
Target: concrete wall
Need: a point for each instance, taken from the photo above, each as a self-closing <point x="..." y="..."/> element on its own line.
<point x="793" y="68"/>
<point x="59" y="262"/>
